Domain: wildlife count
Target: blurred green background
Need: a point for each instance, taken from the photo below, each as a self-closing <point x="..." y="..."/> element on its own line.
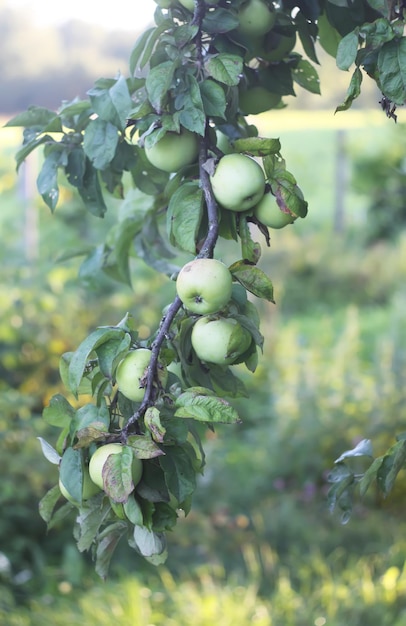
<point x="260" y="546"/>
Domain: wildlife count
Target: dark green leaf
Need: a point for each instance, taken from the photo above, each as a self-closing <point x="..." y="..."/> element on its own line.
<point x="250" y="249"/>
<point x="91" y="192"/>
<point x="353" y="92"/>
<point x="47" y="181"/>
<point x="48" y="502"/>
<point x="329" y="37"/>
<point x="184" y="216"/>
<point x="106" y="545"/>
<point x="92" y="515"/>
<point x="220" y="21"/>
<point x="153" y="424"/>
<point x="307" y="35"/>
<point x="180" y="476"/>
<point x="305" y="75"/>
<point x="392" y="70"/>
<point x="76" y="167"/>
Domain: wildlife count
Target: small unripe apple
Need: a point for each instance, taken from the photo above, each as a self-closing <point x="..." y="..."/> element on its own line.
<point x="238" y="182"/>
<point x="101" y="455"/>
<point x="204" y="286"/>
<point x="276" y="46"/>
<point x="268" y="212"/>
<point x="131" y="372"/>
<point x="256" y="18"/>
<point x="174" y="151"/>
<point x="89" y="488"/>
<point x="257" y="99"/>
<point x="219" y="341"/>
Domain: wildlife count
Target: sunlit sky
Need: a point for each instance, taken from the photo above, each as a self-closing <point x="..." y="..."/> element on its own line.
<point x="112" y="14"/>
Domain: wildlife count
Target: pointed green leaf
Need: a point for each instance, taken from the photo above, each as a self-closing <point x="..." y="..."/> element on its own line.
<point x="206" y="409"/>
<point x="347" y="50"/>
<point x="147" y="542"/>
<point x="71" y="473"/>
<point x="100" y="143"/>
<point x="48" y="502"/>
<point x="49" y="452"/>
<point x="180" y="475"/>
<point x="106" y="546"/>
<point x="184" y="216"/>
<point x="59" y="412"/>
<point x="158" y="82"/>
<point x="253" y="279"/>
<point x="257" y="146"/>
<point x="92" y="515"/>
<point x="226" y="68"/>
<point x="144" y="447"/>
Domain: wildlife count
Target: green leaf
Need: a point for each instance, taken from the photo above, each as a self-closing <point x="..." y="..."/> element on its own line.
<point x="329" y="37"/>
<point x="80" y="357"/>
<point x="158" y="83"/>
<point x="92" y="515"/>
<point x="109" y="352"/>
<point x="353" y="92"/>
<point x="147" y="542"/>
<point x="100" y="143"/>
<point x="144" y="447"/>
<point x="153" y="423"/>
<point x="133" y="511"/>
<point x="106" y="545"/>
<point x="28" y="147"/>
<point x="307" y="35"/>
<point x="34" y="117"/>
<point x="164" y="517"/>
<point x="192" y="115"/>
<point x="59" y="412"/>
<point x="370" y="475"/>
<point x="144" y="46"/>
<point x="71" y="473"/>
<point x="93" y="433"/>
<point x="392" y="70"/>
<point x="47" y="181"/>
<point x="90" y="415"/>
<point x="180" y="475"/>
<point x="288" y="195"/>
<point x="253" y="279"/>
<point x="213" y="98"/>
<point x="184" y="215"/>
<point x="226" y="68"/>
<point x="117" y="475"/>
<point x="220" y="21"/>
<point x="91" y="192"/>
<point x="394" y="461"/>
<point x="305" y="75"/>
<point x="250" y="249"/>
<point x="347" y="50"/>
<point x="48" y="502"/>
<point x="257" y="146"/>
<point x="204" y="408"/>
<point x="76" y="166"/>
<point x="121" y="100"/>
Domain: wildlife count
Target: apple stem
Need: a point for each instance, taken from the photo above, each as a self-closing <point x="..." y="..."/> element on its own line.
<point x="206" y="251"/>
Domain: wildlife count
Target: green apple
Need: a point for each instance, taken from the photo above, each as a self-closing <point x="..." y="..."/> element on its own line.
<point x="190" y="4"/>
<point x="89" y="488"/>
<point x="238" y="183"/>
<point x="276" y="46"/>
<point x="101" y="455"/>
<point x="256" y="18"/>
<point x="268" y="212"/>
<point x="174" y="151"/>
<point x="257" y="99"/>
<point x="131" y="373"/>
<point x="204" y="286"/>
<point x="219" y="341"/>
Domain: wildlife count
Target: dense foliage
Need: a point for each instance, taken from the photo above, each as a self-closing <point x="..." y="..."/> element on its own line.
<point x="160" y="141"/>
